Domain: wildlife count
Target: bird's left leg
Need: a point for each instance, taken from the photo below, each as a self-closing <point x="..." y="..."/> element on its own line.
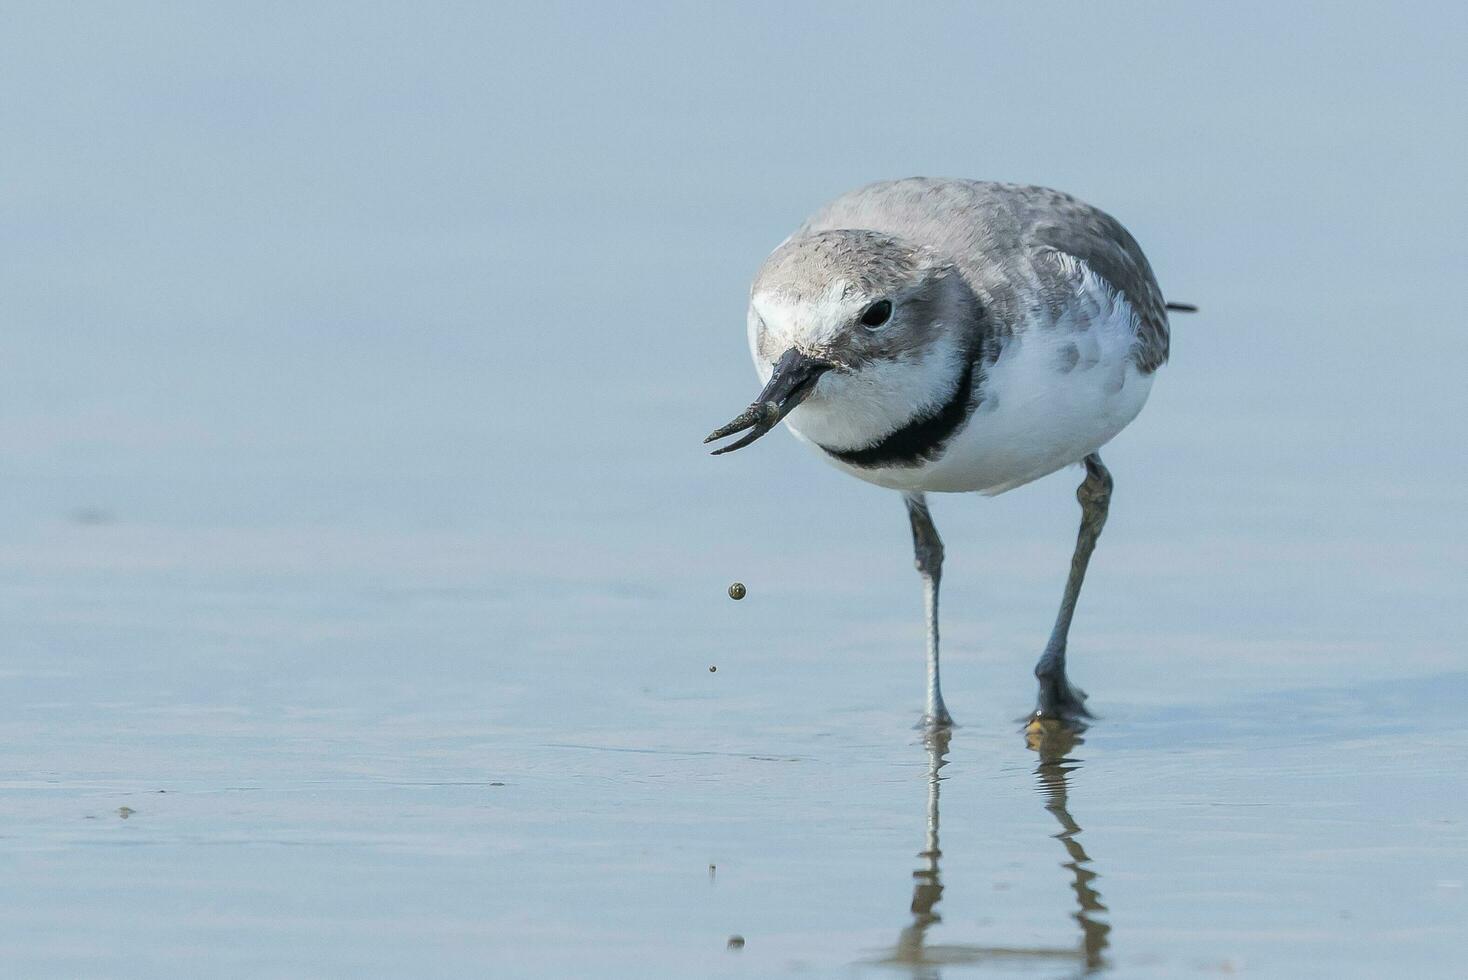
<point x="1058" y="698"/>
<point x="927" y="550"/>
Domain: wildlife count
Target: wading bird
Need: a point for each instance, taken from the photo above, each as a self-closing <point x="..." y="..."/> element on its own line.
<point x="954" y="335"/>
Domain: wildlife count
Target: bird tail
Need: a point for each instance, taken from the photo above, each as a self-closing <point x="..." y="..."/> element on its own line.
<point x="1182" y="307"/>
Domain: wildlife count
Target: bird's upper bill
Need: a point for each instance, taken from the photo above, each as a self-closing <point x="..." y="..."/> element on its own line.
<point x="795" y="376"/>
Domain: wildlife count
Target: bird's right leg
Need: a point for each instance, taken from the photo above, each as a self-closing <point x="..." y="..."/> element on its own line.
<point x="1059" y="699"/>
<point x="927" y="549"/>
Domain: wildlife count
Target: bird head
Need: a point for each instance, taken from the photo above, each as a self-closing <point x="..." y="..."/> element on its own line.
<point x="858" y="330"/>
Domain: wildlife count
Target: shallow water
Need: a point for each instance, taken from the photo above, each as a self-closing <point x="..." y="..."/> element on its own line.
<point x="361" y="570"/>
<point x="355" y="768"/>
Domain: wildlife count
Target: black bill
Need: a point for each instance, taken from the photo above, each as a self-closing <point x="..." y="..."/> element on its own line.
<point x="795" y="375"/>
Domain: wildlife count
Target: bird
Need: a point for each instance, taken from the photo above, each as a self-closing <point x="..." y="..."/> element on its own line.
<point x="935" y="335"/>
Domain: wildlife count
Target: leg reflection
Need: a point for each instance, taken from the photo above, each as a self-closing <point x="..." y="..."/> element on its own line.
<point x="1053" y="741"/>
<point x="929" y="887"/>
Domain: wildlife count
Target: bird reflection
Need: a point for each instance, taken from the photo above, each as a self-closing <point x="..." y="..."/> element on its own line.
<point x="1054" y="742"/>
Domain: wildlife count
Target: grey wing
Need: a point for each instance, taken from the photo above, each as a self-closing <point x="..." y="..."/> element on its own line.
<point x="1099" y="240"/>
<point x="999" y="234"/>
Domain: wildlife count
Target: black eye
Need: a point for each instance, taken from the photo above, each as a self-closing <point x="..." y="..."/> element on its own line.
<point x="877" y="314"/>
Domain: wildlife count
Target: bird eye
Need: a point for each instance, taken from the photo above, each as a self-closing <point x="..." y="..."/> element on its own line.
<point x="877" y="314"/>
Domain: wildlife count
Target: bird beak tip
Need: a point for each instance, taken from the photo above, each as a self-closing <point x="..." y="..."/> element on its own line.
<point x="792" y="380"/>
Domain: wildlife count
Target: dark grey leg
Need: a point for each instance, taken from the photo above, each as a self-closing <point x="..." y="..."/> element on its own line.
<point x="1058" y="698"/>
<point x="927" y="549"/>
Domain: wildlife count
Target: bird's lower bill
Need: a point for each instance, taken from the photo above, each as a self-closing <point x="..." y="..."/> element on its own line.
<point x="794" y="377"/>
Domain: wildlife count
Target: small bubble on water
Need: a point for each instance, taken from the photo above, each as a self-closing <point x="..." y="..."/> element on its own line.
<point x="713" y="669"/>
<point x="737" y="591"/>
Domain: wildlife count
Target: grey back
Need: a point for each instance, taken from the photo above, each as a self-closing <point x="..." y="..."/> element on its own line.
<point x="1003" y="238"/>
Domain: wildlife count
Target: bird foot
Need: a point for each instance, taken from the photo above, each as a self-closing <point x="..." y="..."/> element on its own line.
<point x="934" y="721"/>
<point x="1059" y="702"/>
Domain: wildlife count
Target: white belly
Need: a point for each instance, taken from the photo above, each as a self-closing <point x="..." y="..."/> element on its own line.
<point x="1052" y="397"/>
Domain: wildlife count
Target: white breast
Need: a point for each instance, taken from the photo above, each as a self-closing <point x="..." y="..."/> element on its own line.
<point x="1059" y="391"/>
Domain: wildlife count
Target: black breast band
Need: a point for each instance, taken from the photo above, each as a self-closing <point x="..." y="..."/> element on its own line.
<point x="924" y="438"/>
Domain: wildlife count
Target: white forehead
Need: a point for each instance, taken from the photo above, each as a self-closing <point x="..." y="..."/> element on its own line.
<point x="809" y="317"/>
